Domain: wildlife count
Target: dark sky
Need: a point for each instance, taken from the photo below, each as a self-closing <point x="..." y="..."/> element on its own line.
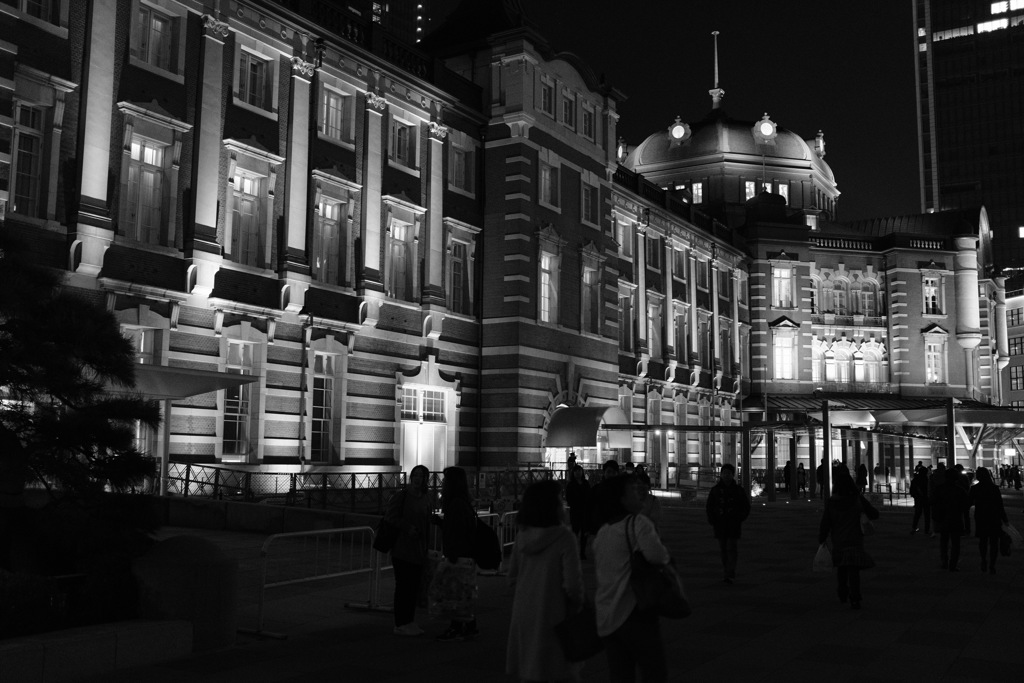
<point x="845" y="68"/>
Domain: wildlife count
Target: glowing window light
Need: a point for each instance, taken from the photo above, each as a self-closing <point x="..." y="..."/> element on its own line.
<point x="994" y="25"/>
<point x="1000" y="7"/>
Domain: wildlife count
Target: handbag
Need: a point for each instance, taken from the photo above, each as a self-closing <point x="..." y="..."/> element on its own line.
<point x="1015" y="538"/>
<point x="577" y="634"/>
<point x="658" y="587"/>
<point x="822" y="559"/>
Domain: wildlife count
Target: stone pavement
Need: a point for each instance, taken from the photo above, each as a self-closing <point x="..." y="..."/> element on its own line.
<point x="779" y="622"/>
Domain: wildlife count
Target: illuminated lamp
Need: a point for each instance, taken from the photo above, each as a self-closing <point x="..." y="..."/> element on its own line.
<point x="678" y="132"/>
<point x="765" y="131"/>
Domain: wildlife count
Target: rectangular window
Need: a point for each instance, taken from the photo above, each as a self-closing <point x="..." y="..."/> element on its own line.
<point x="653" y="243"/>
<point x="698" y="193"/>
<point x="625" y="322"/>
<point x="590" y="204"/>
<point x="142" y="213"/>
<point x="327" y="248"/>
<point x="569" y="110"/>
<point x="624" y="236"/>
<point x="1017" y="378"/>
<point x="784" y="191"/>
<point x="782" y="287"/>
<point x="749" y="190"/>
<point x="28" y="150"/>
<point x="932" y="293"/>
<point x="45" y="10"/>
<point x="1016" y="346"/>
<point x="423" y="404"/>
<point x="401" y="281"/>
<point x="549" y="184"/>
<point x="460" y="278"/>
<point x="548" y="288"/>
<point x="785" y="351"/>
<point x="154" y="38"/>
<point x="683" y="336"/>
<point x="589" y="118"/>
<point x="935" y="362"/>
<point x="410" y="403"/>
<point x="237" y="400"/>
<point x="336" y="115"/>
<point x="253" y="80"/>
<point x="654" y="330"/>
<point x="591" y="303"/>
<point x="245" y="226"/>
<point x="1015" y="317"/>
<point x="433" y="405"/>
<point x="144" y="342"/>
<point x="547" y="97"/>
<point x="461" y="162"/>
<point x="702" y="274"/>
<point x="402" y="143"/>
<point x="323" y="407"/>
<point x="680" y="265"/>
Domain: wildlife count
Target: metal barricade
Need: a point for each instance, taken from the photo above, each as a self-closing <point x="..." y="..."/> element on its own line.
<point x="304" y="556"/>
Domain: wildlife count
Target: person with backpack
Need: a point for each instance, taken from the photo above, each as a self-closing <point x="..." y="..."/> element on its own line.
<point x="458" y="536"/>
<point x="409" y="511"/>
<point x="727" y="507"/>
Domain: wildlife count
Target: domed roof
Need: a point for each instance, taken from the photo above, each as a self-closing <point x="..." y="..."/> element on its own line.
<point x="715" y="135"/>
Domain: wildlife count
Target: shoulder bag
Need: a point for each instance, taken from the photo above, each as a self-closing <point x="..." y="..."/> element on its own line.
<point x="658" y="587"/>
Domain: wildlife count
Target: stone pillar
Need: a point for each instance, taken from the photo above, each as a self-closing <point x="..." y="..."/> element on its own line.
<point x="1002" y="340"/>
<point x="641" y="288"/>
<point x="372" y="277"/>
<point x="737" y="359"/>
<point x="294" y="262"/>
<point x="968" y="319"/>
<point x="715" y="322"/>
<point x="433" y="288"/>
<point x="694" y="341"/>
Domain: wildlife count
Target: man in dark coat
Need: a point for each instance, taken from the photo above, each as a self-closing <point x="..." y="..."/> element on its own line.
<point x="728" y="505"/>
<point x="950" y="506"/>
<point x="919" y="492"/>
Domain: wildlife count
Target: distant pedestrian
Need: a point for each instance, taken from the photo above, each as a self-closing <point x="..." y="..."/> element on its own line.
<point x="632" y="638"/>
<point x="458" y="529"/>
<point x="949" y="503"/>
<point x="570" y="463"/>
<point x="577" y="495"/>
<point x="919" y="492"/>
<point x="801" y="479"/>
<point x="727" y="507"/>
<point x="409" y="510"/>
<point x="787" y="475"/>
<point x="862" y="477"/>
<point x="819" y="478"/>
<point x="547" y="584"/>
<point x="989" y="518"/>
<point x="841" y="521"/>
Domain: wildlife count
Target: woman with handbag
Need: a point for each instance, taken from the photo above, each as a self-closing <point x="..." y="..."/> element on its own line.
<point x="409" y="511"/>
<point x="989" y="518"/>
<point x="547" y="584"/>
<point x="632" y="637"/>
<point x="842" y="521"/>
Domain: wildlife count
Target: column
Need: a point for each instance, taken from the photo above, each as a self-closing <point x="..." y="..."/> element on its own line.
<point x="716" y="324"/>
<point x="737" y="363"/>
<point x="1002" y="340"/>
<point x="372" y="277"/>
<point x="968" y="319"/>
<point x="641" y="289"/>
<point x="694" y="341"/>
<point x="433" y="289"/>
<point x="294" y="262"/>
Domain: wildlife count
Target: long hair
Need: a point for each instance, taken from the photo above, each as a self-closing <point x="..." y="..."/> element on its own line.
<point x="426" y="477"/>
<point x="541" y="505"/>
<point x="983" y="476"/>
<point x="455" y="486"/>
<point x="842" y="482"/>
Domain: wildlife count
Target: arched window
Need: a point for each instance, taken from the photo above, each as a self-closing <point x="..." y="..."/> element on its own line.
<point x="872" y="366"/>
<point x="869" y="299"/>
<point x="842" y="365"/>
<point x="817" y="364"/>
<point x="841" y="297"/>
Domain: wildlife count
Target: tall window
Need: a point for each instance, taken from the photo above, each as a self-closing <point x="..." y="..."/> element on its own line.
<point x="154" y="39"/>
<point x="402" y="143"/>
<point x="548" y="288"/>
<point x="591" y="304"/>
<point x="547" y="97"/>
<point x="931" y="290"/>
<point x="327" y="253"/>
<point x="237" y="400"/>
<point x="653" y="243"/>
<point x="935" y="361"/>
<point x="680" y="266"/>
<point x="401" y="277"/>
<point x="336" y="115"/>
<point x="784" y="191"/>
<point x="460" y="278"/>
<point x="782" y="287"/>
<point x="1015" y="317"/>
<point x="625" y="321"/>
<point x="589" y="200"/>
<point x="1016" y="346"/>
<point x="46" y="10"/>
<point x="840" y="298"/>
<point x="28" y="153"/>
<point x="749" y="190"/>
<point x="569" y="110"/>
<point x="588" y="122"/>
<point x="323" y="407"/>
<point x="549" y="184"/>
<point x="1017" y="378"/>
<point x="254" y="86"/>
<point x="461" y="162"/>
<point x="697" y="191"/>
<point x="841" y="358"/>
<point x="784" y="347"/>
<point x="624" y="236"/>
<point x="683" y="336"/>
<point x="817" y="363"/>
<point x="872" y="367"/>
<point x="245" y="226"/>
<point x="654" y="345"/>
<point x="144" y="342"/>
<point x="142" y="212"/>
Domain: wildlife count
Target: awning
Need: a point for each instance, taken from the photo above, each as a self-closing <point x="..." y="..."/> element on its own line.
<point x="579" y="427"/>
<point x="162" y="382"/>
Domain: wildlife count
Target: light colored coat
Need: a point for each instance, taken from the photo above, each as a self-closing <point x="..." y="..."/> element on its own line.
<point x="546" y="577"/>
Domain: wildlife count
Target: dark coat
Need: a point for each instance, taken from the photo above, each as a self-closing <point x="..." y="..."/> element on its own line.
<point x="841" y="521"/>
<point x="727" y="507"/>
<point x="950" y="504"/>
<point x="411" y="514"/>
<point x="577" y="496"/>
<point x="989" y="514"/>
<point x="458" y="529"/>
<point x="919" y="487"/>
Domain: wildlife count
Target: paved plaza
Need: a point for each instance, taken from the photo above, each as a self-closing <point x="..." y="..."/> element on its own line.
<point x="778" y="622"/>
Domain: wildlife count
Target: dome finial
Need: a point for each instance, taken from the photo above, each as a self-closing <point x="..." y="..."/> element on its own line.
<point x="716" y="92"/>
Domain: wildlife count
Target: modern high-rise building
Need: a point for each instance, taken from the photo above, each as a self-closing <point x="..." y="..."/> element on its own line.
<point x="970" y="105"/>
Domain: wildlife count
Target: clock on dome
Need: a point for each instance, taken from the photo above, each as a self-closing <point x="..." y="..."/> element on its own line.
<point x="678" y="132"/>
<point x="765" y="131"/>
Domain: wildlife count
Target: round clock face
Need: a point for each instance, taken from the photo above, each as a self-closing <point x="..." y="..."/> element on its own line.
<point x="767" y="128"/>
<point x="678" y="131"/>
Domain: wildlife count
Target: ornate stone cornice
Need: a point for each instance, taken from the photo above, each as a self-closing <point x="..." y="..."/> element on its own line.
<point x="302" y="67"/>
<point x="436" y="130"/>
<point x="217" y="28"/>
<point x="376" y="101"/>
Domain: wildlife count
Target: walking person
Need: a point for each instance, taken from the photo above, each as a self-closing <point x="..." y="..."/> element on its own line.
<point x="989" y="518"/>
<point x="547" y="584"/>
<point x="577" y="495"/>
<point x="949" y="503"/>
<point x="862" y="477"/>
<point x="727" y="507"/>
<point x="632" y="638"/>
<point x="919" y="492"/>
<point x="801" y="479"/>
<point x="819" y="478"/>
<point x="458" y="529"/>
<point x="842" y="522"/>
<point x="409" y="510"/>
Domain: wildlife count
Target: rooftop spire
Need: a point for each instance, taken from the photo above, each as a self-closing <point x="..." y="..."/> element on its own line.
<point x="716" y="92"/>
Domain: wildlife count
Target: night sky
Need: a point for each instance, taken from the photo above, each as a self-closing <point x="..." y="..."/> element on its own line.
<point x="845" y="68"/>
